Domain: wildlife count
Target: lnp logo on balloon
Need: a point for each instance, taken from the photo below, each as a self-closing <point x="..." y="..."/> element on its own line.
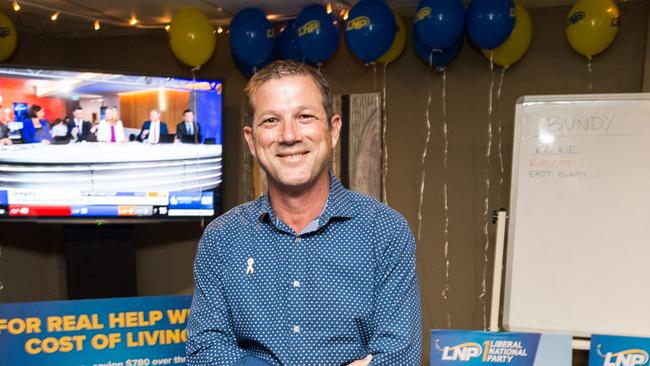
<point x="309" y="27"/>
<point x="422" y="13"/>
<point x="630" y="357"/>
<point x="358" y="23"/>
<point x="576" y="17"/>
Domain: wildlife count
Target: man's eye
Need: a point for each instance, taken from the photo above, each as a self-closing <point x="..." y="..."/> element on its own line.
<point x="306" y="116"/>
<point x="269" y="120"/>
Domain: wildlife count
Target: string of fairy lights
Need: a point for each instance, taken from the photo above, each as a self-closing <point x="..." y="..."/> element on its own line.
<point x="339" y="8"/>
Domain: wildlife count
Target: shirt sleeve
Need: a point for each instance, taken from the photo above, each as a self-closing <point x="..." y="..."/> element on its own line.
<point x="396" y="337"/>
<point x="28" y="131"/>
<point x="210" y="336"/>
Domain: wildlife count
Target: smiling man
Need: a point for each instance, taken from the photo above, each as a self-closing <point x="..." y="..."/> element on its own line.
<point x="310" y="273"/>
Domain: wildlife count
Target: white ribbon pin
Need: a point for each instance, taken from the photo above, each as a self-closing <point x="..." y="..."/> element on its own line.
<point x="250" y="269"/>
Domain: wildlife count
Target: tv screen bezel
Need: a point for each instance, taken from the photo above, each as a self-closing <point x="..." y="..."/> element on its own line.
<point x="74" y="220"/>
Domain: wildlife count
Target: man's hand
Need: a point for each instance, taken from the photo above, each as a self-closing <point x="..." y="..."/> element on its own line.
<point x="74" y="131"/>
<point x="364" y="362"/>
<point x="145" y="133"/>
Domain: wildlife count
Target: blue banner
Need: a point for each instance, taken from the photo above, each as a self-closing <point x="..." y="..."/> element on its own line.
<point x="607" y="350"/>
<point x="470" y="348"/>
<point x="138" y="331"/>
<point x="191" y="201"/>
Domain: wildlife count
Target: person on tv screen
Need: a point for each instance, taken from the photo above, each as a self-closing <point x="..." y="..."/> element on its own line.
<point x="111" y="128"/>
<point x="188" y="131"/>
<point x="78" y="129"/>
<point x="310" y="273"/>
<point x="35" y="127"/>
<point x="152" y="129"/>
<point x="4" y="129"/>
<point x="59" y="132"/>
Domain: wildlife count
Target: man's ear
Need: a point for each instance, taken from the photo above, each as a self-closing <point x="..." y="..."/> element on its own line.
<point x="335" y="128"/>
<point x="250" y="140"/>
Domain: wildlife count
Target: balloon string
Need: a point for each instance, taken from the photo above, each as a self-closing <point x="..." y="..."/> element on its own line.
<point x="384" y="144"/>
<point x="500" y="133"/>
<point x="374" y="75"/>
<point x="445" y="291"/>
<point x="590" y="73"/>
<point x="483" y="294"/>
<point x="424" y="152"/>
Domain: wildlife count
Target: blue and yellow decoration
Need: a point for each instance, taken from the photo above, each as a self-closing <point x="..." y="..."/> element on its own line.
<point x="439" y="23"/>
<point x="252" y="37"/>
<point x="515" y="47"/>
<point x="8" y="37"/>
<point x="318" y="34"/>
<point x="592" y="26"/>
<point x="370" y="30"/>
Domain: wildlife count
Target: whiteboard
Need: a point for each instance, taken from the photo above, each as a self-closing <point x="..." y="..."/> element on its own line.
<point x="579" y="233"/>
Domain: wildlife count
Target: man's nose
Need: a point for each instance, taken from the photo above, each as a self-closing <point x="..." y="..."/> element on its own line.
<point x="290" y="131"/>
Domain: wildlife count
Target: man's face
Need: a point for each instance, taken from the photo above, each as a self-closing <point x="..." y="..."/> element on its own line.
<point x="289" y="136"/>
<point x="154" y="116"/>
<point x="188" y="117"/>
<point x="111" y="114"/>
<point x="77" y="114"/>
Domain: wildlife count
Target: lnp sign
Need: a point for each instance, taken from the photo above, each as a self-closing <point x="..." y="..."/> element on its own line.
<point x="609" y="350"/>
<point x="472" y="348"/>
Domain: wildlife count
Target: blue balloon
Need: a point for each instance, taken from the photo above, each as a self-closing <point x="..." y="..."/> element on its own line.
<point x="370" y="29"/>
<point x="252" y="37"/>
<point x="287" y="44"/>
<point x="439" y="23"/>
<point x="318" y="36"/>
<point x="490" y="22"/>
<point x="436" y="57"/>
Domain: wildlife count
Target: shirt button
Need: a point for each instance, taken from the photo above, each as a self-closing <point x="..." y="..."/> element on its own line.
<point x="296" y="328"/>
<point x="297" y="239"/>
<point x="296" y="283"/>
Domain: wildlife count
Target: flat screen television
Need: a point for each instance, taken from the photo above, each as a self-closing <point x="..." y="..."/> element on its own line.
<point x="125" y="175"/>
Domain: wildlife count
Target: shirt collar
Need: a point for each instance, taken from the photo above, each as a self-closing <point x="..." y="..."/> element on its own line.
<point x="340" y="204"/>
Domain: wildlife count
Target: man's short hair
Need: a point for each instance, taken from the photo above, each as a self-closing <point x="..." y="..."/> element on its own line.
<point x="286" y="68"/>
<point x="187" y="111"/>
<point x="78" y="108"/>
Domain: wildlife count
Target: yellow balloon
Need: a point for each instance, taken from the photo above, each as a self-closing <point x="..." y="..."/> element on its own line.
<point x="517" y="43"/>
<point x="592" y="26"/>
<point x="399" y="42"/>
<point x="191" y="37"/>
<point x="8" y="37"/>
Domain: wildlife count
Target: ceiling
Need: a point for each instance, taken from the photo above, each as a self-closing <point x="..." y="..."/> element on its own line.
<point x="76" y="17"/>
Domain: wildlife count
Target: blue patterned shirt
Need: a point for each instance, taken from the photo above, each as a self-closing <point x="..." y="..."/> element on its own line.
<point x="330" y="295"/>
